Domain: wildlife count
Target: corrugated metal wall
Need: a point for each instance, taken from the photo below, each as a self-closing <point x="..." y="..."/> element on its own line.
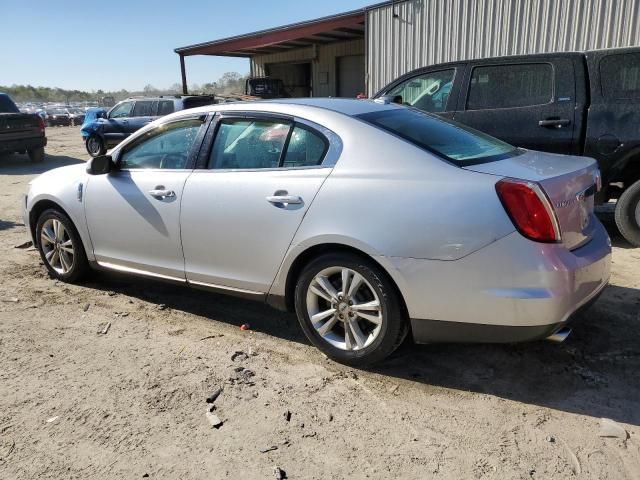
<point x="323" y="63"/>
<point x="426" y="32"/>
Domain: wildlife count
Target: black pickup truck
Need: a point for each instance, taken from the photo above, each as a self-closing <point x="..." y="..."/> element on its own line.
<point x="578" y="103"/>
<point x="20" y="132"/>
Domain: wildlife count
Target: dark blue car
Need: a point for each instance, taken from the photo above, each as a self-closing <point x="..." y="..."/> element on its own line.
<point x="103" y="130"/>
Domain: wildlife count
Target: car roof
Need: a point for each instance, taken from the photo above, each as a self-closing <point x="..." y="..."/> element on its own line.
<point x="347" y="106"/>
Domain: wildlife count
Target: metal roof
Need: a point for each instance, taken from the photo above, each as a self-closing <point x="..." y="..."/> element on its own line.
<point x="334" y="28"/>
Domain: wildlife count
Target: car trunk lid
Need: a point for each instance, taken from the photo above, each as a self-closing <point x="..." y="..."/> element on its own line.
<point x="19" y="125"/>
<point x="569" y="182"/>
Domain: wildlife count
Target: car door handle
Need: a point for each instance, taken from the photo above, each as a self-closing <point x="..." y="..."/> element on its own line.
<point x="554" y="122"/>
<point x="284" y="199"/>
<point x="161" y="193"/>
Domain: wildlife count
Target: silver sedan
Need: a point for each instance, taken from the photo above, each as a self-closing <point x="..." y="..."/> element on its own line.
<point x="369" y="220"/>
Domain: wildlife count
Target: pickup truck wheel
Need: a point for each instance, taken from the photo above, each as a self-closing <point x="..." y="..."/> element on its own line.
<point x="95" y="146"/>
<point x="36" y="155"/>
<point x="60" y="246"/>
<point x="628" y="214"/>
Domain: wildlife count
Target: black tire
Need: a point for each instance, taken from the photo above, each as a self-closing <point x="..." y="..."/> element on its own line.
<point x="393" y="328"/>
<point x="36" y="155"/>
<point x="628" y="214"/>
<point x="79" y="264"/>
<point x="95" y="146"/>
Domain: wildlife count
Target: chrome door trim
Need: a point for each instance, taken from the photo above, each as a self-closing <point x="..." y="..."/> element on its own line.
<point x="136" y="271"/>
<point x="224" y="287"/>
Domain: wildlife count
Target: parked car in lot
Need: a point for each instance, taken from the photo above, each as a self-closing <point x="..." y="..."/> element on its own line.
<point x="366" y="219"/>
<point x="130" y="115"/>
<point x="76" y="115"/>
<point x="58" y="117"/>
<point x="21" y="132"/>
<point x="571" y="103"/>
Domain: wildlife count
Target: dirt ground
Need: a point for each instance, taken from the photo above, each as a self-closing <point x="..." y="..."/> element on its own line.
<point x="131" y="403"/>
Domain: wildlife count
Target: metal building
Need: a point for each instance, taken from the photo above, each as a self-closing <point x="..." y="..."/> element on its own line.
<point x="363" y="50"/>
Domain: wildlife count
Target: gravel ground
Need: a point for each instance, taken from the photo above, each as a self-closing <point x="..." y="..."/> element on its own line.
<point x="131" y="403"/>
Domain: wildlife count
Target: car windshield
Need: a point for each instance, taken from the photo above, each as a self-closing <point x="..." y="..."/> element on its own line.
<point x="456" y="143"/>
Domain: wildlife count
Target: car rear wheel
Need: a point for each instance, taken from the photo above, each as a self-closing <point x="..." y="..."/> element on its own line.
<point x="349" y="309"/>
<point x="36" y="155"/>
<point x="60" y="246"/>
<point x="95" y="146"/>
<point x="628" y="214"/>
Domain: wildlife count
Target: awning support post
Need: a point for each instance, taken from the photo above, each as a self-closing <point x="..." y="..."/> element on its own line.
<point x="184" y="76"/>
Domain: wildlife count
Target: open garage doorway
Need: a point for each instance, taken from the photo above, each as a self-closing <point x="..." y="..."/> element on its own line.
<point x="350" y="75"/>
<point x="295" y="76"/>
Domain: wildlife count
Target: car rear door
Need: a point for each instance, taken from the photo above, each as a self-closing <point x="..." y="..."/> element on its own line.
<point x="612" y="135"/>
<point x="433" y="90"/>
<point x="241" y="210"/>
<point x="143" y="113"/>
<point x="528" y="102"/>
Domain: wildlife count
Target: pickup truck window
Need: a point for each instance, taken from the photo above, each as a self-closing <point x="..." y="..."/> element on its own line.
<point x="454" y="142"/>
<point x="428" y="92"/>
<point x="508" y="86"/>
<point x="620" y="76"/>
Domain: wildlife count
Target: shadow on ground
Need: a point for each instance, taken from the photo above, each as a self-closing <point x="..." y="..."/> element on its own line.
<point x="595" y="372"/>
<point x="21" y="165"/>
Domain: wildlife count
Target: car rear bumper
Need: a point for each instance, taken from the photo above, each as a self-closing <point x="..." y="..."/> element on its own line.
<point x="22" y="144"/>
<point x="512" y="290"/>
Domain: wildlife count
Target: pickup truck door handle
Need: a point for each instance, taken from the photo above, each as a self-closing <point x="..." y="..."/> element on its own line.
<point x="280" y="200"/>
<point x="554" y="122"/>
<point x="161" y="193"/>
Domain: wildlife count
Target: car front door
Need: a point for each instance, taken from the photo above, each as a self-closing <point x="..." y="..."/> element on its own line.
<point x="116" y="125"/>
<point x="133" y="213"/>
<point x="529" y="104"/>
<point x="241" y="211"/>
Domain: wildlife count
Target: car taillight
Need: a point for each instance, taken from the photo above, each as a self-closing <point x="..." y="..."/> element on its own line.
<point x="40" y="124"/>
<point x="529" y="209"/>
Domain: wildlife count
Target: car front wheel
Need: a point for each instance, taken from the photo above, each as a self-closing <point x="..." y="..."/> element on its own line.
<point x="60" y="246"/>
<point x="349" y="309"/>
<point x="95" y="146"/>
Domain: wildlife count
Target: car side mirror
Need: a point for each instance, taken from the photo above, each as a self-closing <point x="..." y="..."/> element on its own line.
<point x="100" y="165"/>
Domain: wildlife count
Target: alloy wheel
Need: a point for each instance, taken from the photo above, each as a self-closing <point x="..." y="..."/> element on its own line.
<point x="57" y="246"/>
<point x="344" y="308"/>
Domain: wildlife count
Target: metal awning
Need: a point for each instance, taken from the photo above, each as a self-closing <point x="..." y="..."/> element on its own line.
<point x="336" y="28"/>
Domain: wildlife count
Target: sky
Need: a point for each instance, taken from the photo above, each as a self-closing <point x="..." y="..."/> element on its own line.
<point x="115" y="44"/>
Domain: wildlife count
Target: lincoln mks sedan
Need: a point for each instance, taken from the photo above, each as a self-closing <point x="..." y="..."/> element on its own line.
<point x="371" y="221"/>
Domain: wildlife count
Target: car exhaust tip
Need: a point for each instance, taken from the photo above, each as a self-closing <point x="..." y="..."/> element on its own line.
<point x="560" y="336"/>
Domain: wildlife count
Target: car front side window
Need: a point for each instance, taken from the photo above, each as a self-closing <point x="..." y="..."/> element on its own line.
<point x="121" y="111"/>
<point x="167" y="146"/>
<point x="428" y="92"/>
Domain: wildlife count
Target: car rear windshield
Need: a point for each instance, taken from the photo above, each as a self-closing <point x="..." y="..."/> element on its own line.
<point x="7" y="105"/>
<point x="454" y="142"/>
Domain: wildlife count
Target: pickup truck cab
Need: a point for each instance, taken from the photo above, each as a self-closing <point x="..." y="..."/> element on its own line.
<point x="20" y="132"/>
<point x="130" y="115"/>
<point x="578" y="103"/>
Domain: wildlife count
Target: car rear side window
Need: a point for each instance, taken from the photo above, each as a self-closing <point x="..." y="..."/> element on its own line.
<point x="509" y="86"/>
<point x="168" y="146"/>
<point x="165" y="107"/>
<point x="620" y="76"/>
<point x="453" y="142"/>
<point x="305" y="148"/>
<point x="143" y="108"/>
<point x="249" y="143"/>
